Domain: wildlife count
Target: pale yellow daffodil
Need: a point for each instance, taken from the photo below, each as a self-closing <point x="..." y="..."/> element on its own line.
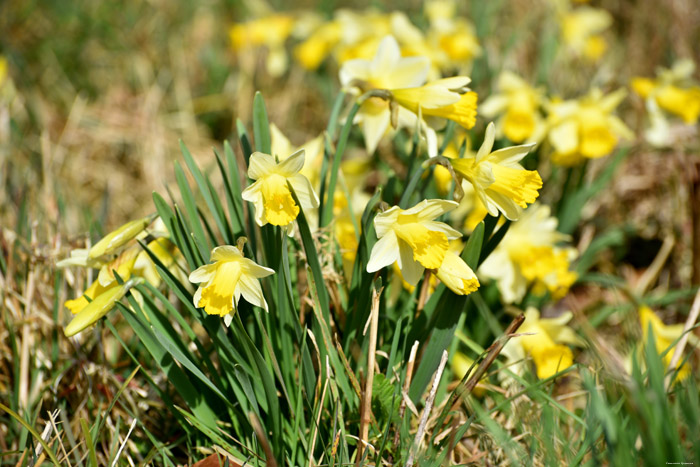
<point x="225" y="280"/>
<point x="270" y="193"/>
<point x="530" y="254"/>
<point x="674" y="92"/>
<point x="501" y="183"/>
<point x="582" y="30"/>
<point x="586" y="128"/>
<point x="387" y="70"/>
<point x="414" y="240"/>
<point x="546" y="340"/>
<point x="518" y="105"/>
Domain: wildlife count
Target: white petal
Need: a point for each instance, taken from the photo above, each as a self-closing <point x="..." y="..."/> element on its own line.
<point x="509" y="157"/>
<point x="197" y="296"/>
<point x="430" y="209"/>
<point x="250" y="288"/>
<point x="260" y="164"/>
<point x="493" y="105"/>
<point x="292" y="165"/>
<point x="384" y="220"/>
<point x="411" y="270"/>
<point x="384" y="252"/>
<point x="304" y="191"/>
<point x="228" y="318"/>
<point x="410" y="72"/>
<point x="374" y="125"/>
<point x="564" y="137"/>
<point x="387" y="56"/>
<point x="202" y="273"/>
<point x="226" y="253"/>
<point x="252" y="268"/>
<point x="451" y="233"/>
<point x="487" y="145"/>
<point x="281" y="146"/>
<point x="354" y="69"/>
<point x="254" y="194"/>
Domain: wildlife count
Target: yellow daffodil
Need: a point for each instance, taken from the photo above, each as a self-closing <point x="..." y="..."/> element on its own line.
<point x="314" y="50"/>
<point x="582" y="29"/>
<point x="387" y="70"/>
<point x="270" y="193"/>
<point x="417" y="242"/>
<point x="529" y="254"/>
<point x="281" y="148"/>
<point x="452" y="40"/>
<point x="546" y="341"/>
<point x="457" y="275"/>
<point x="225" y="280"/>
<point x="674" y="92"/>
<point x="518" y="105"/>
<point x="116" y="239"/>
<point x="665" y="336"/>
<point x="99" y="307"/>
<point x="586" y="128"/>
<point x="501" y="183"/>
<point x="270" y="31"/>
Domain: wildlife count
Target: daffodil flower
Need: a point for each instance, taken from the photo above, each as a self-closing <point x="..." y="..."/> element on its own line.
<point x="271" y="31"/>
<point x="674" y="92"/>
<point x="665" y="335"/>
<point x="586" y="128"/>
<point x="99" y="307"/>
<point x="270" y="193"/>
<point x="387" y="70"/>
<point x="225" y="280"/>
<point x="547" y="341"/>
<point x="518" y="105"/>
<point x="530" y="253"/>
<point x="501" y="183"/>
<point x="412" y="238"/>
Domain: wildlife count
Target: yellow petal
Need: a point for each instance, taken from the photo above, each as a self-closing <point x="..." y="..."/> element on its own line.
<point x="552" y="359"/>
<point x="99" y="307"/>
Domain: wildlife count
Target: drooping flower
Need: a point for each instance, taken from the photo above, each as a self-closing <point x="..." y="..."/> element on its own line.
<point x="100" y="306"/>
<point x="546" y="340"/>
<point x="585" y="128"/>
<point x="414" y="240"/>
<point x="387" y="70"/>
<point x="270" y="193"/>
<point x="530" y="253"/>
<point x="225" y="280"/>
<point x="501" y="183"/>
<point x="518" y="105"/>
<point x="665" y="336"/>
<point x="457" y="275"/>
<point x="116" y="239"/>
<point x="672" y="92"/>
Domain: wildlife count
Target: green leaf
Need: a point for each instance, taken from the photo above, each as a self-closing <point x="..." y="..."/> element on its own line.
<point x="261" y="125"/>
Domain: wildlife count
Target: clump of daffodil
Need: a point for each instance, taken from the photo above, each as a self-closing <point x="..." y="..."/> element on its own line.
<point x="517" y="104"/>
<point x="122" y="263"/>
<point x="229" y="276"/>
<point x="530" y="254"/>
<point x="582" y="30"/>
<point x="585" y="128"/>
<point x="546" y="340"/>
<point x="416" y="242"/>
<point x="672" y="92"/>
<point x="269" y="31"/>
<point x="401" y="98"/>
<point x="270" y="194"/>
<point x="499" y="180"/>
<point x="665" y="336"/>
